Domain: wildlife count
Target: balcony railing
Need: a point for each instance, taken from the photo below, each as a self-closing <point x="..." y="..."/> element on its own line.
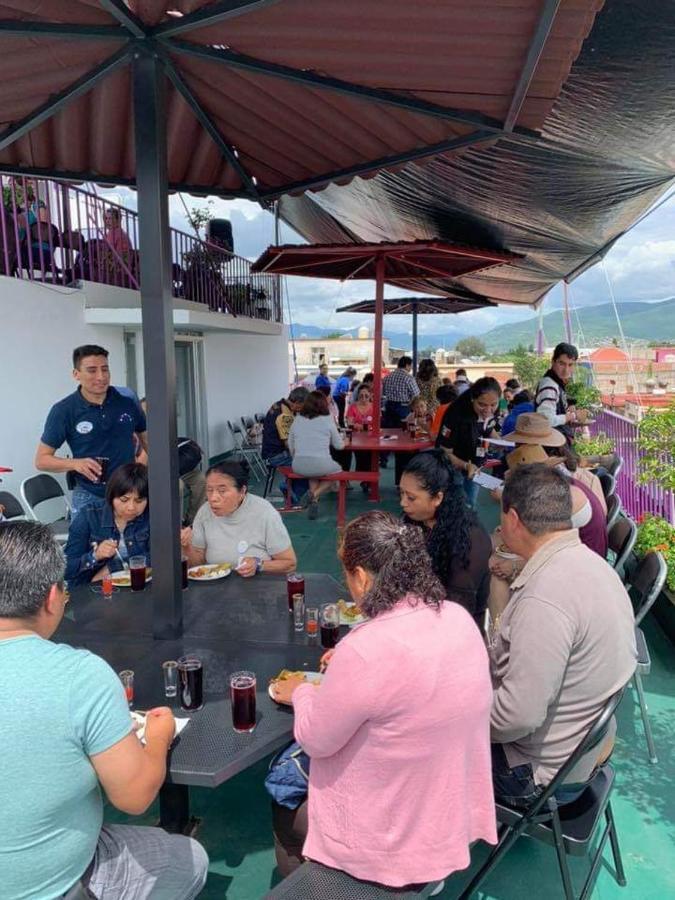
<point x="62" y="234"/>
<point x="636" y="498"/>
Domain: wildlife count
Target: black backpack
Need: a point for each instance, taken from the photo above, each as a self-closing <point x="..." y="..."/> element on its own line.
<point x="189" y="455"/>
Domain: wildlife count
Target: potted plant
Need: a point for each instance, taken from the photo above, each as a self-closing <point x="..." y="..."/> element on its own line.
<point x="597" y="450"/>
<point x="654" y="533"/>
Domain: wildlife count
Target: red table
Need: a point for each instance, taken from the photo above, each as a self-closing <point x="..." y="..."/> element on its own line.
<point x="389" y="440"/>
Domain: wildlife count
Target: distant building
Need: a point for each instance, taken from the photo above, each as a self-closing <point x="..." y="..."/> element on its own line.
<point x="339" y="353"/>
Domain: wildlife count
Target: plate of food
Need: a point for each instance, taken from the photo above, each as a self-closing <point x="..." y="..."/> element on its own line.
<point x="123" y="577"/>
<point x="212" y="572"/>
<point x="310" y="677"/>
<point x="349" y="613"/>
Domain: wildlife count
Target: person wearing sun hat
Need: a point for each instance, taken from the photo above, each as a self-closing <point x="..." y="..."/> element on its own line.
<point x="534" y="428"/>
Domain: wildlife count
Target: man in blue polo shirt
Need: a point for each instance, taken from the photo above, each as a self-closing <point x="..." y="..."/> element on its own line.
<point x="97" y="422"/>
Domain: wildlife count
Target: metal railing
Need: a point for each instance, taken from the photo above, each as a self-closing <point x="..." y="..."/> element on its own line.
<point x="636" y="498"/>
<point x="61" y="234"/>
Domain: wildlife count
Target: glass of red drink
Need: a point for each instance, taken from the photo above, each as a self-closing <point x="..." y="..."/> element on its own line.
<point x="137" y="572"/>
<point x="107" y="586"/>
<point x="103" y="463"/>
<point x="295" y="584"/>
<point x="127" y="679"/>
<point x="312" y="622"/>
<point x="330" y="625"/>
<point x="191" y="683"/>
<point x="184" y="573"/>
<point x="242" y="698"/>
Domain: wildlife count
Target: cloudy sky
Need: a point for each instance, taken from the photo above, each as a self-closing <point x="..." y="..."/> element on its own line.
<point x="640" y="266"/>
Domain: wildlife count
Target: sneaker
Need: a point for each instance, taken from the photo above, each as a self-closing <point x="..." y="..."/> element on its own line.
<point x="313" y="510"/>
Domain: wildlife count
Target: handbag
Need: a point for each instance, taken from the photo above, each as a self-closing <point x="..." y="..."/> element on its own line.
<point x="287" y="779"/>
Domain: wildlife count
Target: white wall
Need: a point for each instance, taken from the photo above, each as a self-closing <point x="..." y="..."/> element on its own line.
<point x="40" y="326"/>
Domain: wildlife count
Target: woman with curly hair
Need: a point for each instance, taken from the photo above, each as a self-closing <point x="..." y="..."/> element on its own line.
<point x="398" y="731"/>
<point x="428" y="382"/>
<point x="457" y="543"/>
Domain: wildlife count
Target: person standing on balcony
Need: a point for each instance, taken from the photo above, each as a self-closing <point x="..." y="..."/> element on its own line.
<point x="322" y="379"/>
<point x="550" y="398"/>
<point x="97" y="423"/>
<point x="342" y="387"/>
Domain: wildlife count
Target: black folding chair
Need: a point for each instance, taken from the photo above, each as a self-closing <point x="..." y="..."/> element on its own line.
<point x="613" y="510"/>
<point x="621" y="537"/>
<point x="646" y="583"/>
<point x="572" y="828"/>
<point x="13" y="509"/>
<point x="313" y="881"/>
<point x="615" y="466"/>
<point x="40" y="489"/>
<point x="608" y="483"/>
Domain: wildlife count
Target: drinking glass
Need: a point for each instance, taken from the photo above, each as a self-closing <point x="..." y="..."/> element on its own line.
<point x="107" y="586"/>
<point x="191" y="683"/>
<point x="103" y="463"/>
<point x="295" y="584"/>
<point x="184" y="573"/>
<point x="312" y="621"/>
<point x="127" y="679"/>
<point x="330" y="625"/>
<point x="242" y="698"/>
<point x="137" y="572"/>
<point x="298" y="612"/>
<point x="170" y="670"/>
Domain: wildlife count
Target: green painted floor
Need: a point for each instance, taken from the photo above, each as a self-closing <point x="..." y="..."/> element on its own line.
<point x="236" y="822"/>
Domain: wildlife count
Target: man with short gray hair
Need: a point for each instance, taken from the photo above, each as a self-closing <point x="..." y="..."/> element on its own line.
<point x="564" y="644"/>
<point x="276" y="428"/>
<point x="66" y="731"/>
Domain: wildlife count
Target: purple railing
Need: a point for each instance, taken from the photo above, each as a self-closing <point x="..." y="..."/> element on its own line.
<point x="636" y="498"/>
<point x="61" y="234"/>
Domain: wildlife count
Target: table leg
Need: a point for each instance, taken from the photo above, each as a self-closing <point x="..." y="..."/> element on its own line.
<point x="174" y="808"/>
<point x="375" y="485"/>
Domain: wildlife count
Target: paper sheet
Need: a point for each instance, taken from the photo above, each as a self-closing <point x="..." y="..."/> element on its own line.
<point x="139" y="719"/>
<point x="498" y="442"/>
<point x="487" y="481"/>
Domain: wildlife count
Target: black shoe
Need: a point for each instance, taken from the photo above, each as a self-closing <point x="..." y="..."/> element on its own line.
<point x="365" y="487"/>
<point x="313" y="510"/>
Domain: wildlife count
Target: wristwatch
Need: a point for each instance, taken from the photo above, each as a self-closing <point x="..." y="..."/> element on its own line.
<point x="258" y="565"/>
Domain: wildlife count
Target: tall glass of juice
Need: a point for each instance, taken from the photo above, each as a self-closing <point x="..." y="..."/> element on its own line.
<point x="242" y="698"/>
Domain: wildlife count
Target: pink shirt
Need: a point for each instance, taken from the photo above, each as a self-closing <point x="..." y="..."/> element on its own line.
<point x="399" y="739"/>
<point x="359" y="416"/>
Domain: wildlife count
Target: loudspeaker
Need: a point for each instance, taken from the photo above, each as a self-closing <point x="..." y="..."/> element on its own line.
<point x="219" y="232"/>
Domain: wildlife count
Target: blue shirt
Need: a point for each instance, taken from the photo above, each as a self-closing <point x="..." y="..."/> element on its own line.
<point x="509" y="423"/>
<point x="341" y="388"/>
<point x="92" y="430"/>
<point x="60" y="706"/>
<point x="93" y="525"/>
<point x="322" y="381"/>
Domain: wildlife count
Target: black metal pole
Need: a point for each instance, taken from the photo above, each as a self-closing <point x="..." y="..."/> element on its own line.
<point x="414" y="338"/>
<point x="158" y="341"/>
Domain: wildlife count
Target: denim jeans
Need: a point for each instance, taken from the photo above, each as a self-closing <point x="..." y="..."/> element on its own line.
<point x="298" y="485"/>
<point x="516" y="787"/>
<point x="82" y="499"/>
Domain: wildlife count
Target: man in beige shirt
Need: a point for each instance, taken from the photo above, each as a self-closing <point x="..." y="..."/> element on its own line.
<point x="564" y="644"/>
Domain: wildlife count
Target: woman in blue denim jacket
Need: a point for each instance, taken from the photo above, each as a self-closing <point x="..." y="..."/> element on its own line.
<point x="101" y="540"/>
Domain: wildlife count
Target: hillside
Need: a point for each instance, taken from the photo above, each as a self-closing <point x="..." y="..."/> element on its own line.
<point x="640" y="321"/>
<point x="401" y="340"/>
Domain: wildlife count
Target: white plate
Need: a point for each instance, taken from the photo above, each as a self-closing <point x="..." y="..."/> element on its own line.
<point x="312" y="677"/>
<point x="123" y="579"/>
<point x="345" y="620"/>
<point x="214" y="572"/>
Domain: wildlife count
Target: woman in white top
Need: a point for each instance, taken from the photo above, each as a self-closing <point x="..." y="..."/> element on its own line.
<point x="237" y="527"/>
<point x="312" y="434"/>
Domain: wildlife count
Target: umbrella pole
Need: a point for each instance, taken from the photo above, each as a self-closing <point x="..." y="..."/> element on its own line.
<point x="377" y="355"/>
<point x="414" y="338"/>
<point x="158" y="342"/>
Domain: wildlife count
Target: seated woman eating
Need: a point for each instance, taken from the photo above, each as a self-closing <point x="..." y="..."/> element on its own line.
<point x="398" y="732"/>
<point x="457" y="543"/>
<point x="236" y="527"/>
<point x="101" y="540"/>
<point x="310" y="439"/>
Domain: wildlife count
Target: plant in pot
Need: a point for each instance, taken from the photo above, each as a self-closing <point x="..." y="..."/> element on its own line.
<point x="596" y="450"/>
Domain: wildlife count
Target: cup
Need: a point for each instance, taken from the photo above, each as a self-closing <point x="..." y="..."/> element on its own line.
<point x="412" y="429"/>
<point x="312" y="621"/>
<point x="103" y="463"/>
<point x="191" y="683"/>
<point x="170" y="672"/>
<point x="295" y="584"/>
<point x="330" y="626"/>
<point x="298" y="612"/>
<point x="184" y="573"/>
<point x="137" y="572"/>
<point x="242" y="698"/>
<point x="107" y="586"/>
<point x="349" y="431"/>
<point x="127" y="679"/>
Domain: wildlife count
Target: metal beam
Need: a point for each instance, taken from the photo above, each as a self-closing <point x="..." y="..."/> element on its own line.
<point x="31" y="28"/>
<point x="382" y="163"/>
<point x="208" y="125"/>
<point x="158" y="340"/>
<point x="300" y="76"/>
<point x="539" y="38"/>
<point x="120" y="11"/>
<point x="63" y="98"/>
<point x="210" y="15"/>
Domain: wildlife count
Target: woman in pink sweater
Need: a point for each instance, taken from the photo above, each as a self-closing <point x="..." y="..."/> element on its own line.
<point x="398" y="732"/>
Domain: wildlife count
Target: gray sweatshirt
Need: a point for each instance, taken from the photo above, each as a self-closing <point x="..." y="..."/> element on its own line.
<point x="564" y="645"/>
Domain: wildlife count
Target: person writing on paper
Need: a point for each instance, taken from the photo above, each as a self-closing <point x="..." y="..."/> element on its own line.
<point x="237" y="527"/>
<point x="466" y="423"/>
<point x="66" y="734"/>
<point x="101" y="539"/>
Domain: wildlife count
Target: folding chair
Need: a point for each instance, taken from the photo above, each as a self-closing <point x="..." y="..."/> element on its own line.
<point x="613" y="509"/>
<point x="646" y="583"/>
<point x="608" y="483"/>
<point x="250" y="453"/>
<point x="270" y="474"/>
<point x="621" y="537"/>
<point x="312" y="881"/>
<point x="40" y="489"/>
<point x="571" y="828"/>
<point x="13" y="509"/>
<point x="615" y="466"/>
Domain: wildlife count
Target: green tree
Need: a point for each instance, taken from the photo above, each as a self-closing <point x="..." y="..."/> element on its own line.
<point x="529" y="368"/>
<point x="656" y="439"/>
<point x="471" y="346"/>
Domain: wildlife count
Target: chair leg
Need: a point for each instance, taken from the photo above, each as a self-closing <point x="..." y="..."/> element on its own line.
<point x="560" y="850"/>
<point x="507" y="838"/>
<point x="269" y="481"/>
<point x="616" y="850"/>
<point x="645" y="718"/>
<point x="342" y="504"/>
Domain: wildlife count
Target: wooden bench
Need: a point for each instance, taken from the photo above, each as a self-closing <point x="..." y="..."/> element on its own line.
<point x="316" y="882"/>
<point x="340" y="478"/>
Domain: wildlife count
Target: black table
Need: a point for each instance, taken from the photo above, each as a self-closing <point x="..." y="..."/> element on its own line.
<point x="230" y="625"/>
